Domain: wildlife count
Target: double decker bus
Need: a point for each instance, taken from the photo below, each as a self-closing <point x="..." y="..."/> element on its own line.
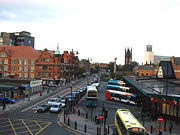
<point x="116" y="82"/>
<point x="117" y="88"/>
<point x="92" y="95"/>
<point x="120" y="96"/>
<point x="127" y="124"/>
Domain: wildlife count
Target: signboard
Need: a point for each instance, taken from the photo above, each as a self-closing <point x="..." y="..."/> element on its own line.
<point x="100" y="117"/>
<point x="160" y="119"/>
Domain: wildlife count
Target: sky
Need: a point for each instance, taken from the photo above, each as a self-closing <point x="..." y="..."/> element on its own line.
<point x="98" y="29"/>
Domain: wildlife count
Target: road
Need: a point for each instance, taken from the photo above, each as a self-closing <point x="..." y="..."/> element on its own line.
<point x="26" y="121"/>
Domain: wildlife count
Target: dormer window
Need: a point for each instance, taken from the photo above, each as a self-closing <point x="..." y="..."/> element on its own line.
<point x="2" y="54"/>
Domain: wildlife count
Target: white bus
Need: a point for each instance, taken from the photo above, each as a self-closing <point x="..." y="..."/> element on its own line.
<point x="92" y="95"/>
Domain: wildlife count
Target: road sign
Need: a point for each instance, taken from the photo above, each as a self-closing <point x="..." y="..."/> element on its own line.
<point x="100" y="117"/>
<point x="160" y="119"/>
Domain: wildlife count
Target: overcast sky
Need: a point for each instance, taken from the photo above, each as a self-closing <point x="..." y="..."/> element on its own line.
<point x="98" y="29"/>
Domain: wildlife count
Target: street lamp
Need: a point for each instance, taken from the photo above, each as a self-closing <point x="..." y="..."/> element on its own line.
<point x="74" y="62"/>
<point x="71" y="97"/>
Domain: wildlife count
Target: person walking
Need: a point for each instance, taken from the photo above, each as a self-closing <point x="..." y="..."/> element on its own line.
<point x="170" y="128"/>
<point x="4" y="105"/>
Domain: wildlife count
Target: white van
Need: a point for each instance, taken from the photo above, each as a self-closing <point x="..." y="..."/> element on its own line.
<point x="56" y="107"/>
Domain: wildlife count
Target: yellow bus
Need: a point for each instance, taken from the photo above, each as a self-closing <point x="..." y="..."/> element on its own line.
<point x="127" y="124"/>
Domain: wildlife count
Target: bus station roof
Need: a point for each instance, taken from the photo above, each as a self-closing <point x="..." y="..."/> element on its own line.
<point x="153" y="87"/>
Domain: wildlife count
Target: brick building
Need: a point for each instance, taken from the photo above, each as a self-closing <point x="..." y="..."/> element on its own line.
<point x="24" y="62"/>
<point x="176" y="65"/>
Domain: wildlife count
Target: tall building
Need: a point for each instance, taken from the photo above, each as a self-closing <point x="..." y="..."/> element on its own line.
<point x="23" y="38"/>
<point x="149" y="55"/>
<point x="128" y="56"/>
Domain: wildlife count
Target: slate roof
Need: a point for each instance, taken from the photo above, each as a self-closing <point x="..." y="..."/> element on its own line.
<point x="24" y="52"/>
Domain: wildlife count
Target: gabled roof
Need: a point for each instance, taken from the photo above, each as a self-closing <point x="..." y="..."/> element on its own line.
<point x="24" y="52"/>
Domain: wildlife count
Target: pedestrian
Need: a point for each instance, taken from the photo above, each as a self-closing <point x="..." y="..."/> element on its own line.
<point x="4" y="105"/>
<point x="170" y="128"/>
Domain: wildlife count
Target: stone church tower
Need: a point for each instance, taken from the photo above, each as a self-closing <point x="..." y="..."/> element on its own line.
<point x="128" y="56"/>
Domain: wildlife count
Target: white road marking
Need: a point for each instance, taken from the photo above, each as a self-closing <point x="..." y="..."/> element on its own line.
<point x="51" y="97"/>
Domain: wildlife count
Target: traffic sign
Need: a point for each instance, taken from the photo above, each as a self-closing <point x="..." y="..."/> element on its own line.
<point x="100" y="117"/>
<point x="160" y="119"/>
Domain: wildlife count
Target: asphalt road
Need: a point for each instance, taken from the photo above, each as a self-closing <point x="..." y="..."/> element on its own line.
<point x="26" y="121"/>
<point x="110" y="106"/>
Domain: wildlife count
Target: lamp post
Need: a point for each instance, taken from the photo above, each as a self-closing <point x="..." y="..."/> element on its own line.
<point x="71" y="97"/>
<point x="115" y="66"/>
<point x="74" y="62"/>
<point x="166" y="98"/>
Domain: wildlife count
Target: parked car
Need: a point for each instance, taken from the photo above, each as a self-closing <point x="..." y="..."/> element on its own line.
<point x="63" y="103"/>
<point x="52" y="101"/>
<point x="43" y="108"/>
<point x="56" y="107"/>
<point x="59" y="97"/>
<point x="7" y="100"/>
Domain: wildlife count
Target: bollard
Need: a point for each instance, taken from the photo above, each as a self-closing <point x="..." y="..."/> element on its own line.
<point x="86" y="115"/>
<point x="108" y="129"/>
<point x="75" y="125"/>
<point x="64" y="119"/>
<point x="151" y="129"/>
<point x="68" y="122"/>
<point x="85" y="128"/>
<point x="78" y="112"/>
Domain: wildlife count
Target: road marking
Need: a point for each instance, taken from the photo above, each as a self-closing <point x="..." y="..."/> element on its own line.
<point x="43" y="128"/>
<point x="12" y="126"/>
<point x="38" y="125"/>
<point x="27" y="127"/>
<point x="55" y="95"/>
<point x="59" y="124"/>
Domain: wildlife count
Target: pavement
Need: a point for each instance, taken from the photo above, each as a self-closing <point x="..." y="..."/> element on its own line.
<point x="89" y="126"/>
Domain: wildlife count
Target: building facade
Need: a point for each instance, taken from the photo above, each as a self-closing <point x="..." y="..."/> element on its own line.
<point x="24" y="62"/>
<point x="149" y="55"/>
<point x="23" y="38"/>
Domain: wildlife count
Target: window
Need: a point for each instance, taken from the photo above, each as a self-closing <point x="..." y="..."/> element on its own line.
<point x="32" y="76"/>
<point x="25" y="62"/>
<point x="2" y="54"/>
<point x="19" y="68"/>
<point x="5" y="68"/>
<point x="50" y="74"/>
<point x="5" y="75"/>
<point x="25" y="68"/>
<point x="50" y="67"/>
<point x="5" y="61"/>
<point x="45" y="59"/>
<point x="32" y="68"/>
<point x="39" y="67"/>
<point x="19" y="75"/>
<point x="12" y="61"/>
<point x="32" y="62"/>
<point x="44" y="67"/>
<point x="39" y="74"/>
<point x="0" y="68"/>
<point x="44" y="74"/>
<point x="0" y="61"/>
<point x="25" y="75"/>
<point x="19" y="62"/>
<point x="12" y="68"/>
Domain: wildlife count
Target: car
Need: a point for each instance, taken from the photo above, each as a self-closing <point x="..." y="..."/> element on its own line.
<point x="69" y="98"/>
<point x="52" y="101"/>
<point x="63" y="103"/>
<point x="55" y="108"/>
<point x="7" y="100"/>
<point x="43" y="108"/>
<point x="59" y="97"/>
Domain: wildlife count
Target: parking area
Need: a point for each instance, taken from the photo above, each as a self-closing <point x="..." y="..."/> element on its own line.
<point x="22" y="126"/>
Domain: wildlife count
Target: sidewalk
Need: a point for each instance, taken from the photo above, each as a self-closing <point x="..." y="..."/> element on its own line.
<point x="155" y="124"/>
<point x="81" y="125"/>
<point x="21" y="102"/>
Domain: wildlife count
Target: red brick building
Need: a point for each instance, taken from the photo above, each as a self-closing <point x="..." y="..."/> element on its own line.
<point x="176" y="65"/>
<point x="18" y="62"/>
<point x="27" y="63"/>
